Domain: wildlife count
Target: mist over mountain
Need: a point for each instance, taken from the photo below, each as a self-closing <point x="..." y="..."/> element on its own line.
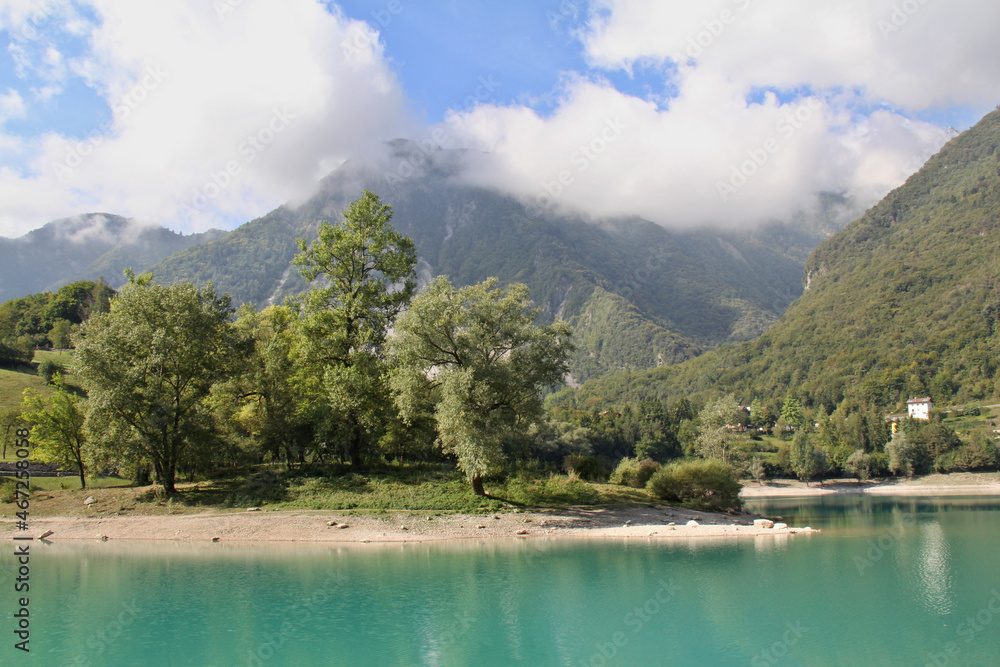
<point x="903" y="302"/>
<point x="637" y="295"/>
<point x="85" y="247"/>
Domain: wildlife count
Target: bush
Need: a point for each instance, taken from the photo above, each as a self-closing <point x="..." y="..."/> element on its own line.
<point x="626" y="472"/>
<point x="47" y="370"/>
<point x="7" y="488"/>
<point x="552" y="491"/>
<point x="701" y="484"/>
<point x="633" y="472"/>
<point x="589" y="468"/>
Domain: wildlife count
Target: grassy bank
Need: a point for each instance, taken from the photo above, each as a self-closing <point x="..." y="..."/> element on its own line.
<point x="428" y="488"/>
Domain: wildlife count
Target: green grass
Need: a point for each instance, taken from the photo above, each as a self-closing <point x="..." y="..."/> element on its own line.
<point x="73" y="483"/>
<point x="13" y="384"/>
<point x="423" y="487"/>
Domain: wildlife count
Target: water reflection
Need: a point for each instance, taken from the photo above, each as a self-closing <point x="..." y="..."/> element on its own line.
<point x="934" y="574"/>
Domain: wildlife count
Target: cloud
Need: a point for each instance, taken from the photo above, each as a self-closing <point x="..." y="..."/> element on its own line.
<point x="11" y="106"/>
<point x="913" y="53"/>
<point x="711" y="158"/>
<point x="219" y="111"/>
<point x="762" y="106"/>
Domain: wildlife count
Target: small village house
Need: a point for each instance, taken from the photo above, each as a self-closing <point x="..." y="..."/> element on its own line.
<point x="919" y="408"/>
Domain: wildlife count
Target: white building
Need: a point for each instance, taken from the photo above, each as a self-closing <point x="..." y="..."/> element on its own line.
<point x="919" y="408"/>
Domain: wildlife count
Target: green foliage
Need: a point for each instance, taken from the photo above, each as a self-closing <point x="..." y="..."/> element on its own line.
<point x="708" y="485"/>
<point x="888" y="313"/>
<point x="633" y="472"/>
<point x="805" y="459"/>
<point x="57" y="428"/>
<point x="59" y="334"/>
<point x="47" y="370"/>
<point x="905" y="457"/>
<point x="148" y="367"/>
<point x="367" y="271"/>
<point x="721" y="437"/>
<point x="588" y="468"/>
<point x="552" y="491"/>
<point x="859" y="465"/>
<point x="792" y="413"/>
<point x="8" y="489"/>
<point x="475" y="358"/>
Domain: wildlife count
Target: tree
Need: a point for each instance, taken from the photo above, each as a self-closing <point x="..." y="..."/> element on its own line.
<point x="477" y="357"/>
<point x="57" y="427"/>
<point x="720" y="437"/>
<point x="904" y="455"/>
<point x="761" y="416"/>
<point x="807" y="460"/>
<point x="10" y="421"/>
<point x="148" y="366"/>
<point x="368" y="278"/>
<point x="859" y="465"/>
<point x="265" y="400"/>
<point x="59" y="334"/>
<point x="757" y="469"/>
<point x="792" y="413"/>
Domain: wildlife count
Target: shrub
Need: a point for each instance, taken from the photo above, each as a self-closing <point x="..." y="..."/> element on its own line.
<point x="47" y="370"/>
<point x="647" y="469"/>
<point x="586" y="467"/>
<point x="7" y="488"/>
<point x="626" y="472"/>
<point x="700" y="484"/>
<point x="552" y="491"/>
<point x="633" y="472"/>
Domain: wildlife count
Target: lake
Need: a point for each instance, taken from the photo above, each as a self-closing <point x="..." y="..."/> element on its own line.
<point x="888" y="582"/>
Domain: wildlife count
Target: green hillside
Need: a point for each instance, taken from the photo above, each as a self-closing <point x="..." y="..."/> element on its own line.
<point x="903" y="302"/>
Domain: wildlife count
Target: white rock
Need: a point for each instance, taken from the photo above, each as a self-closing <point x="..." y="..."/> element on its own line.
<point x="692" y="522"/>
<point x="89" y="501"/>
<point x="253" y="509"/>
<point x="763" y="523"/>
<point x="781" y="526"/>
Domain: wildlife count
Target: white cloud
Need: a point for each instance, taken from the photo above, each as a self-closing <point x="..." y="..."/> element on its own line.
<point x="914" y="53"/>
<point x="710" y="158"/>
<point x="722" y="151"/>
<point x="11" y="106"/>
<point x="216" y="117"/>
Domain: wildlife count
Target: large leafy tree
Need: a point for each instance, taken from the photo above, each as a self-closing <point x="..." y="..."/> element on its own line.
<point x="363" y="275"/>
<point x="265" y="402"/>
<point x="149" y="364"/>
<point x="477" y="356"/>
<point x="57" y="427"/>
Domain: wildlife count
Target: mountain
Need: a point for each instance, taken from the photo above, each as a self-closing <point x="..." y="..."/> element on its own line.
<point x="85" y="248"/>
<point x="903" y="302"/>
<point x="635" y="294"/>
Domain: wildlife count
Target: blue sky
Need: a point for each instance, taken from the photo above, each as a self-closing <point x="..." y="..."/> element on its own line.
<point x="167" y="111"/>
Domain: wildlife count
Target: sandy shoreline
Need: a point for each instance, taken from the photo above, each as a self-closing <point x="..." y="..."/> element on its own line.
<point x="330" y="526"/>
<point x="344" y="527"/>
<point x="955" y="484"/>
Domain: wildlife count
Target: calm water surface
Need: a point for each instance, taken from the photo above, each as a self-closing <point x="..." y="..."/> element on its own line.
<point x="887" y="582"/>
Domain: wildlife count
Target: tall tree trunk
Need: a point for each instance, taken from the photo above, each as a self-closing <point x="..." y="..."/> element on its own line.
<point x="83" y="479"/>
<point x="168" y="483"/>
<point x="477" y="486"/>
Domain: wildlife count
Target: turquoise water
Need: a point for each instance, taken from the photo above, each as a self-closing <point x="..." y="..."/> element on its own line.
<point x="887" y="582"/>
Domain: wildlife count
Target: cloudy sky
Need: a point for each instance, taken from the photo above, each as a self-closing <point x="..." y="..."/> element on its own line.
<point x="201" y="113"/>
